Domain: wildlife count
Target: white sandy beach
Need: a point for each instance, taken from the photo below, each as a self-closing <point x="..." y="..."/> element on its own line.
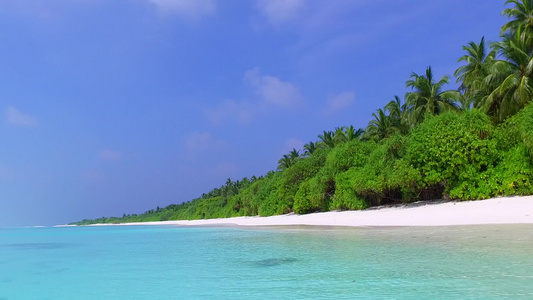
<point x="508" y="210"/>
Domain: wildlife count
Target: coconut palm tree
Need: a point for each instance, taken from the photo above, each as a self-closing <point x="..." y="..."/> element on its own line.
<point x="521" y="18"/>
<point x="288" y="159"/>
<point x="395" y="107"/>
<point x="339" y="135"/>
<point x="477" y="67"/>
<point x="310" y="148"/>
<point x="397" y="114"/>
<point x="352" y="133"/>
<point x="380" y="127"/>
<point x="294" y="154"/>
<point x="511" y="80"/>
<point x="285" y="162"/>
<point x="427" y="97"/>
<point x="465" y="103"/>
<point x="326" y="139"/>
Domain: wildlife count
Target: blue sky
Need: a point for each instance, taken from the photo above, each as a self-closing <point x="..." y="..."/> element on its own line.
<point x="114" y="107"/>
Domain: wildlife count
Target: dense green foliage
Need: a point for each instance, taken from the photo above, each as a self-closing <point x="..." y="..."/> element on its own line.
<point x="472" y="143"/>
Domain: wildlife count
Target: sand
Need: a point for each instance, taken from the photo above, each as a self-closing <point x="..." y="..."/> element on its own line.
<point x="508" y="210"/>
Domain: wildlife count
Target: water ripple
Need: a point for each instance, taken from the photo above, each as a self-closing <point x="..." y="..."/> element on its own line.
<point x="37" y="246"/>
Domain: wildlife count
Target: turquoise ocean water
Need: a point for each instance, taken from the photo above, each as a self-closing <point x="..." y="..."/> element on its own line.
<point x="163" y="262"/>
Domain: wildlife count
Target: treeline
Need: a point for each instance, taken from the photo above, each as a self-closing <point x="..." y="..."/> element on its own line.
<point x="472" y="143"/>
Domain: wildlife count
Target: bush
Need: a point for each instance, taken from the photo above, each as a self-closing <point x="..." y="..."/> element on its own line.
<point x="512" y="176"/>
<point x="267" y="198"/>
<point x="375" y="182"/>
<point x="517" y="130"/>
<point x="292" y="178"/>
<point x="406" y="179"/>
<point x="345" y="195"/>
<point x="451" y="148"/>
<point x="352" y="154"/>
<point x="314" y="195"/>
<point x="302" y="200"/>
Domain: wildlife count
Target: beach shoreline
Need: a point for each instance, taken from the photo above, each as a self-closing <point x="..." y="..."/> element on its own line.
<point x="502" y="210"/>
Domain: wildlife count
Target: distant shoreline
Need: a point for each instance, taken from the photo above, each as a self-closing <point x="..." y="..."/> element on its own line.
<point x="504" y="210"/>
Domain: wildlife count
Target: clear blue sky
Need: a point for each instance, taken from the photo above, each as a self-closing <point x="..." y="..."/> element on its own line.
<point x="114" y="107"/>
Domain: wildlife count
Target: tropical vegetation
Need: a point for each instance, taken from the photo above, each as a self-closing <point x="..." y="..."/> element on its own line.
<point x="474" y="142"/>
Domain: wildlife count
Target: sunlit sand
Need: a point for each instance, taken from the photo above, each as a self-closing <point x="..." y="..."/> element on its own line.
<point x="508" y="210"/>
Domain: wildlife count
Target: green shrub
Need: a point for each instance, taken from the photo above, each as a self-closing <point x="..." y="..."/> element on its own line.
<point x="314" y="195"/>
<point x="517" y="130"/>
<point x="352" y="154"/>
<point x="406" y="179"/>
<point x="345" y="195"/>
<point x="376" y="182"/>
<point x="514" y="173"/>
<point x="367" y="182"/>
<point x="267" y="198"/>
<point x="320" y="193"/>
<point x="451" y="148"/>
<point x="291" y="179"/>
<point x="302" y="201"/>
<point x="512" y="176"/>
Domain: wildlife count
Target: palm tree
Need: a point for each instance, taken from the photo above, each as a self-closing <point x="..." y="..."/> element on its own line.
<point x="294" y="154"/>
<point x="230" y="188"/>
<point x="352" y="134"/>
<point x="326" y="139"/>
<point x="395" y="107"/>
<point x="427" y="97"/>
<point x="229" y="182"/>
<point x="309" y="148"/>
<point x="288" y="159"/>
<point x="285" y="162"/>
<point x="465" y="103"/>
<point x="397" y="114"/>
<point x="477" y="67"/>
<point x="381" y="127"/>
<point x="522" y="18"/>
<point x="511" y="80"/>
<point x="339" y="136"/>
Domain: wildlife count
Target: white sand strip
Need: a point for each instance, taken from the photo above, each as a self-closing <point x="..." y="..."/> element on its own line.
<point x="509" y="210"/>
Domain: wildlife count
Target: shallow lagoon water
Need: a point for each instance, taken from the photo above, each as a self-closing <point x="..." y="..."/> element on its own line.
<point x="165" y="262"/>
